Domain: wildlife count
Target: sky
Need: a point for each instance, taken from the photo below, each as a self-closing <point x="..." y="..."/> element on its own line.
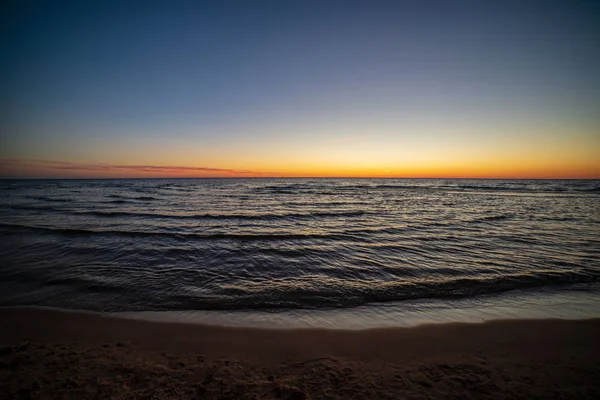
<point x="464" y="89"/>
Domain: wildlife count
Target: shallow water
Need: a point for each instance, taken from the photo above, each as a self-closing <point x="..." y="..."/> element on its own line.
<point x="293" y="244"/>
<point x="517" y="304"/>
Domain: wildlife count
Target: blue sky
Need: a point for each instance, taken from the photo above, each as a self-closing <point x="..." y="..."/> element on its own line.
<point x="314" y="86"/>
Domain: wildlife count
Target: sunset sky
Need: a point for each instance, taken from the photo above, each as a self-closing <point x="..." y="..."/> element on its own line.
<point x="286" y="88"/>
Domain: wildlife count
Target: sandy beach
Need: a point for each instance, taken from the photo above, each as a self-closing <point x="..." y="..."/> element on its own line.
<point x="52" y="354"/>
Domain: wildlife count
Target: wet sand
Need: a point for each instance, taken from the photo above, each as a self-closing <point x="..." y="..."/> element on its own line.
<point x="47" y="354"/>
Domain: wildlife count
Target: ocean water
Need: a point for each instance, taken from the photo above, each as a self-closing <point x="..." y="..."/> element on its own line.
<point x="301" y="248"/>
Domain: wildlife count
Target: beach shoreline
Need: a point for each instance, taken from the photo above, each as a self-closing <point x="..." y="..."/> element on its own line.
<point x="62" y="354"/>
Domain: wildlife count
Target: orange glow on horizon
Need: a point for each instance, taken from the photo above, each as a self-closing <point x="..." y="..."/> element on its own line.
<point x="60" y="169"/>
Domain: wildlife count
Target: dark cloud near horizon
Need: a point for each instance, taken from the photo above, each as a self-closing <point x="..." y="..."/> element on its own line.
<point x="66" y="165"/>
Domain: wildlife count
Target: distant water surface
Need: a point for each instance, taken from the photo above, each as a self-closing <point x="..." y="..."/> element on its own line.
<point x="248" y="244"/>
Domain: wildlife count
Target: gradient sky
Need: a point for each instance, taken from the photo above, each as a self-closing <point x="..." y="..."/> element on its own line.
<point x="285" y="88"/>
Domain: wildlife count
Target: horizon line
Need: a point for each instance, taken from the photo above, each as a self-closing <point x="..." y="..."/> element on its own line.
<point x="298" y="177"/>
<point x="23" y="168"/>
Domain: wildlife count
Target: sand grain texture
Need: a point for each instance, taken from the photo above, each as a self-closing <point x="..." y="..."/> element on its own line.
<point x="58" y="355"/>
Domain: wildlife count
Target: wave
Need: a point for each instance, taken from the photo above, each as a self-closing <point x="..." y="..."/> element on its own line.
<point x="126" y="198"/>
<point x="491" y="218"/>
<point x="145" y="198"/>
<point x="253" y="217"/>
<point x="299" y="296"/>
<point x="214" y="236"/>
<point x="285" y="187"/>
<point x="328" y="189"/>
<point x="33" y="208"/>
<point x="87" y="284"/>
<point x="527" y="189"/>
<point x="591" y="190"/>
<point x="50" y="199"/>
<point x="318" y="293"/>
<point x="203" y="292"/>
<point x="531" y="188"/>
<point x="403" y="187"/>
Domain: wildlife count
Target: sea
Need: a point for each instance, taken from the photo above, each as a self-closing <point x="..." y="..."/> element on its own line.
<point x="289" y="253"/>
